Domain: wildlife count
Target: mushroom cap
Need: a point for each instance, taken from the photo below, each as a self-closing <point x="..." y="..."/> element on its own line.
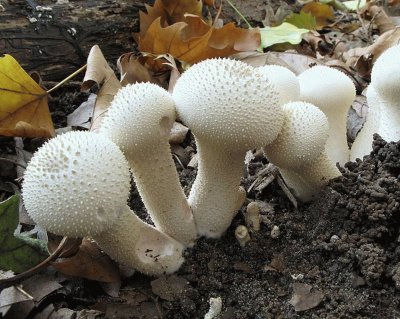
<point x="228" y="102"/>
<point x="139" y="114"/>
<point x="285" y="82"/>
<point x="385" y="75"/>
<point x="76" y="184"/>
<point x="303" y="136"/>
<point x="327" y="88"/>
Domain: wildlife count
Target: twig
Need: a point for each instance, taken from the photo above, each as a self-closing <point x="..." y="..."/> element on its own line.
<point x="241" y="15"/>
<point x="69" y="77"/>
<point x="8" y="282"/>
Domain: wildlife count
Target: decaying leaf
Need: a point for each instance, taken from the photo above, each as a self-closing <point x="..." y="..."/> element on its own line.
<point x="23" y="103"/>
<point x="89" y="262"/>
<point x="303" y="298"/>
<point x="362" y="59"/>
<point x="352" y="5"/>
<point x="99" y="72"/>
<point x="15" y="254"/>
<point x="303" y="20"/>
<point x="286" y="32"/>
<point x="323" y="13"/>
<point x="194" y="40"/>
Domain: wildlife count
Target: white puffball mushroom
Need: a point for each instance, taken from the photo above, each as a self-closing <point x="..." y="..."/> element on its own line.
<point x="333" y="92"/>
<point x="383" y="97"/>
<point x="284" y="80"/>
<point x="242" y="235"/>
<point x="77" y="185"/>
<point x="252" y="216"/>
<point x="230" y="108"/>
<point x="139" y="121"/>
<point x="70" y="191"/>
<point x="299" y="150"/>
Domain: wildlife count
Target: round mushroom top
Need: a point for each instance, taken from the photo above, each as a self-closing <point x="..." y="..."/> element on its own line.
<point x="228" y="103"/>
<point x="303" y="136"/>
<point x="328" y="88"/>
<point x="139" y="115"/>
<point x="284" y="80"/>
<point x="385" y="75"/>
<point x="76" y="184"/>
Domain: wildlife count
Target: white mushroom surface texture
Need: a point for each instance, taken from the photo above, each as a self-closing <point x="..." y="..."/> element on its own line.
<point x="383" y="97"/>
<point x="77" y="185"/>
<point x="333" y="92"/>
<point x="139" y="121"/>
<point x="231" y="108"/>
<point x="299" y="150"/>
<point x="284" y="80"/>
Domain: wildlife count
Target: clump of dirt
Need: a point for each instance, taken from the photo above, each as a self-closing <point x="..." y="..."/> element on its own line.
<point x="337" y="257"/>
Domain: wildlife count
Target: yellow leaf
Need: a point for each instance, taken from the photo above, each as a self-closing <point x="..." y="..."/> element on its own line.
<point x="23" y="103"/>
<point x="194" y="40"/>
<point x="283" y="33"/>
<point x="323" y="13"/>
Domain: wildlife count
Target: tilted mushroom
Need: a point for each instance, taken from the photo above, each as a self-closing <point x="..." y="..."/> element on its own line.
<point x="333" y="92"/>
<point x="383" y="97"/>
<point x="139" y="121"/>
<point x="284" y="80"/>
<point x="299" y="150"/>
<point x="230" y="108"/>
<point x="77" y="184"/>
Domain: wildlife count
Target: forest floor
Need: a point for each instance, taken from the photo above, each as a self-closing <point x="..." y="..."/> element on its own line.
<point x="336" y="257"/>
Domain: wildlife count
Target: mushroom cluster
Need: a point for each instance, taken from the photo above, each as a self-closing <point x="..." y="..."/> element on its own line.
<point x="78" y="183"/>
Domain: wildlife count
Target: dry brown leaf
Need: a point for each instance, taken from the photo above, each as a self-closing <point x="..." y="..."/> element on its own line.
<point x="141" y="69"/>
<point x="169" y="12"/>
<point x="99" y="72"/>
<point x="23" y="103"/>
<point x="89" y="262"/>
<point x="194" y="40"/>
<point x="322" y="12"/>
<point x="362" y="59"/>
<point x="380" y="18"/>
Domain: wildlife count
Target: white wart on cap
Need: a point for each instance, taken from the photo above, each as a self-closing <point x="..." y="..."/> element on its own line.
<point x="76" y="184"/>
<point x="230" y="108"/>
<point x="299" y="150"/>
<point x="333" y="92"/>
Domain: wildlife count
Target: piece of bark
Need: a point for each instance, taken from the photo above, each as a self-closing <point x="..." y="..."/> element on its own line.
<point x="55" y="37"/>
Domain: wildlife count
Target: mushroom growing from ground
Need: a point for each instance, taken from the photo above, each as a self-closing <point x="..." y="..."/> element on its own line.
<point x="77" y="184"/>
<point x="333" y="92"/>
<point x="230" y="108"/>
<point x="383" y="97"/>
<point x="284" y="80"/>
<point x="299" y="150"/>
<point x="139" y="121"/>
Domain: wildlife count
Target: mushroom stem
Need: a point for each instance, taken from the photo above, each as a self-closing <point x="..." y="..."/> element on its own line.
<point x="214" y="195"/>
<point x="133" y="243"/>
<point x="166" y="211"/>
<point x="306" y="181"/>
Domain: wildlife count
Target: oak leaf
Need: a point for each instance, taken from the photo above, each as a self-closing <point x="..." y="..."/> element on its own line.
<point x="23" y="103"/>
<point x="194" y="40"/>
<point x="169" y="12"/>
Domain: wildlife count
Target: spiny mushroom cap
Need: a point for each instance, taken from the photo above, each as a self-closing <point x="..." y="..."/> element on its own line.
<point x="327" y="88"/>
<point x="76" y="184"/>
<point x="284" y="80"/>
<point x="229" y="103"/>
<point x="139" y="114"/>
<point x="385" y="75"/>
<point x="303" y="136"/>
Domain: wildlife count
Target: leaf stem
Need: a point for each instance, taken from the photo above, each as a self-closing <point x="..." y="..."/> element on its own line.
<point x="69" y="77"/>
<point x="240" y="14"/>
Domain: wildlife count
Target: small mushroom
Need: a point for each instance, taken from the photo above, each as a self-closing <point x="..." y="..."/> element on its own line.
<point x="383" y="97"/>
<point x="77" y="184"/>
<point x="230" y="108"/>
<point x="333" y="92"/>
<point x="299" y="150"/>
<point x="284" y="80"/>
<point x="139" y="121"/>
